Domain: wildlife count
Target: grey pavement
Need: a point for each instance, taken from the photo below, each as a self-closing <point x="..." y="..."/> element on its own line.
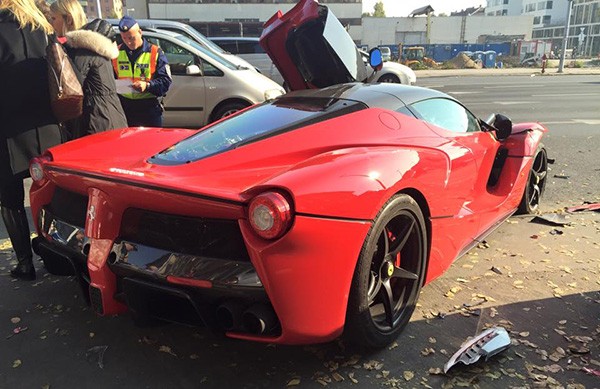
<point x="506" y="72"/>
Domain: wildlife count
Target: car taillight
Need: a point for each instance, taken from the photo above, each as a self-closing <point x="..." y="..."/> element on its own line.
<point x="36" y="168"/>
<point x="270" y="215"/>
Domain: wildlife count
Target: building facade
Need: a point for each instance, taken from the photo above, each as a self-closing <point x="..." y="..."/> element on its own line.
<point x="103" y="8"/>
<point x="443" y="30"/>
<point x="243" y="17"/>
<point x="504" y="7"/>
<point x="549" y="18"/>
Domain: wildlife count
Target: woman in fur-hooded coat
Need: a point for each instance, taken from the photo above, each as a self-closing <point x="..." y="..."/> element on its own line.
<point x="92" y="50"/>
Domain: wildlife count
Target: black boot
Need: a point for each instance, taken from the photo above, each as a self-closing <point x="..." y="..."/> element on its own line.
<point x="17" y="226"/>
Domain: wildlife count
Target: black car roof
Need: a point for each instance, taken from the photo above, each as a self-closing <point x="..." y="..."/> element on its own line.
<point x="384" y="95"/>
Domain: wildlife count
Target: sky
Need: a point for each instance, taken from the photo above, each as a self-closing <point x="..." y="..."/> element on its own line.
<point x="405" y="7"/>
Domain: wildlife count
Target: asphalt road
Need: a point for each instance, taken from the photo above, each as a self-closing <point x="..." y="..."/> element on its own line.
<point x="539" y="282"/>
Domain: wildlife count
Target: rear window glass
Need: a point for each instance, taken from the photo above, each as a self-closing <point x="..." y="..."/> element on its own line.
<point x="260" y="122"/>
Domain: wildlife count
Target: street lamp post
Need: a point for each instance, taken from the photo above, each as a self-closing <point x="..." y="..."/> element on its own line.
<point x="561" y="63"/>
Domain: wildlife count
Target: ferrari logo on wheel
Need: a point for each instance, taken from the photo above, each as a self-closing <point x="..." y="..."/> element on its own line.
<point x="390" y="269"/>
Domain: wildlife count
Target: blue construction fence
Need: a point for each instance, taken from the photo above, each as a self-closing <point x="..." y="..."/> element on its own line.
<point x="445" y="52"/>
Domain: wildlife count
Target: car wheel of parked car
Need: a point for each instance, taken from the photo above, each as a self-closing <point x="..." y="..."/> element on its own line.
<point x="388" y="77"/>
<point x="536" y="182"/>
<point x="228" y="109"/>
<point x="389" y="274"/>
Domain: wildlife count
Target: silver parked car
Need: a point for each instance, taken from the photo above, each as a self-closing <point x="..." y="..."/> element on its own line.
<point x="206" y="86"/>
<point x="191" y="32"/>
<point x="251" y="51"/>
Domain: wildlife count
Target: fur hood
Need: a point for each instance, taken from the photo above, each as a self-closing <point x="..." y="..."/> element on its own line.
<point x="93" y="41"/>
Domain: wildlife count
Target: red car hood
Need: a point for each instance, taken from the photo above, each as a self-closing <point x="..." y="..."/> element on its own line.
<point x="125" y="154"/>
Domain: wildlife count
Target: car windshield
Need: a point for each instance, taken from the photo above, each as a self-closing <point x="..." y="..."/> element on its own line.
<point x="209" y="53"/>
<point x="260" y="122"/>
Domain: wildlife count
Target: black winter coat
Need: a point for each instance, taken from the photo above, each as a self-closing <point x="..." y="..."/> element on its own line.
<point x="91" y="53"/>
<point x="27" y="125"/>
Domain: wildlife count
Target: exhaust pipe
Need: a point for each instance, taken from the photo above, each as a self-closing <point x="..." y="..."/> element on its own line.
<point x="259" y="319"/>
<point x="229" y="315"/>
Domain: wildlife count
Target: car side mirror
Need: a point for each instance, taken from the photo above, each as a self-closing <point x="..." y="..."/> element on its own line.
<point x="191" y="70"/>
<point x="502" y="124"/>
<point x="375" y="58"/>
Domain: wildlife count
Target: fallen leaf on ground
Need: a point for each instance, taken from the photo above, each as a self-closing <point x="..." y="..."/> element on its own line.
<point x="351" y="376"/>
<point x="167" y="349"/>
<point x="373" y="365"/>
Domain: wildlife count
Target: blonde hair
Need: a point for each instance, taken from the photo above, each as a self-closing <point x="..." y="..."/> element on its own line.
<point x="27" y="14"/>
<point x="72" y="12"/>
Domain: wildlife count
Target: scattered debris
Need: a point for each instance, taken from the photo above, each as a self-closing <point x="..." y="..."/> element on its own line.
<point x="17" y="331"/>
<point x="488" y="343"/>
<point x="483" y="245"/>
<point x="586" y="207"/>
<point x="96" y="355"/>
<point x="563" y="176"/>
<point x="496" y="270"/>
<point x="591" y="371"/>
<point x="553" y="219"/>
<point x="556" y="232"/>
<point x="166" y="349"/>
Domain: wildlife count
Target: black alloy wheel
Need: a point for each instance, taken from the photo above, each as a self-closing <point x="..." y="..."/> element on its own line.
<point x="536" y="183"/>
<point x="228" y="109"/>
<point x="389" y="274"/>
<point x="390" y="78"/>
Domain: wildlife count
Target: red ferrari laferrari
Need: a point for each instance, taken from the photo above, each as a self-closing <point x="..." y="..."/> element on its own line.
<point x="319" y="213"/>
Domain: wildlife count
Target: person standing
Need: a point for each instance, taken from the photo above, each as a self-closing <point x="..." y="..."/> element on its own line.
<point x="91" y="49"/>
<point x="27" y="125"/>
<point x="146" y="66"/>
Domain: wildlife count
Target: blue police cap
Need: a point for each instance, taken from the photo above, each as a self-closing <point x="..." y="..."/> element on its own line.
<point x="126" y="23"/>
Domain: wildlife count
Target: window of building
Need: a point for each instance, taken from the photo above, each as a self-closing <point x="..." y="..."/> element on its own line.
<point x="546" y="19"/>
<point x="536" y="20"/>
<point x="504" y="12"/>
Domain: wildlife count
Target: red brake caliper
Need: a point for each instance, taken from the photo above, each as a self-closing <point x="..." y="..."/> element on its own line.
<point x="392" y="238"/>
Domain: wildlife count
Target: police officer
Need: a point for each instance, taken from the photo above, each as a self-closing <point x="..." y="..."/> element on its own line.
<point x="146" y="66"/>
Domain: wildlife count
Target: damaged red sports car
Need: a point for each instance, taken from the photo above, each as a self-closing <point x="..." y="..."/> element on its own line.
<point x="319" y="213"/>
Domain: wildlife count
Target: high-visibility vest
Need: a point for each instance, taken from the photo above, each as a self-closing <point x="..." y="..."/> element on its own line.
<point x="143" y="69"/>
